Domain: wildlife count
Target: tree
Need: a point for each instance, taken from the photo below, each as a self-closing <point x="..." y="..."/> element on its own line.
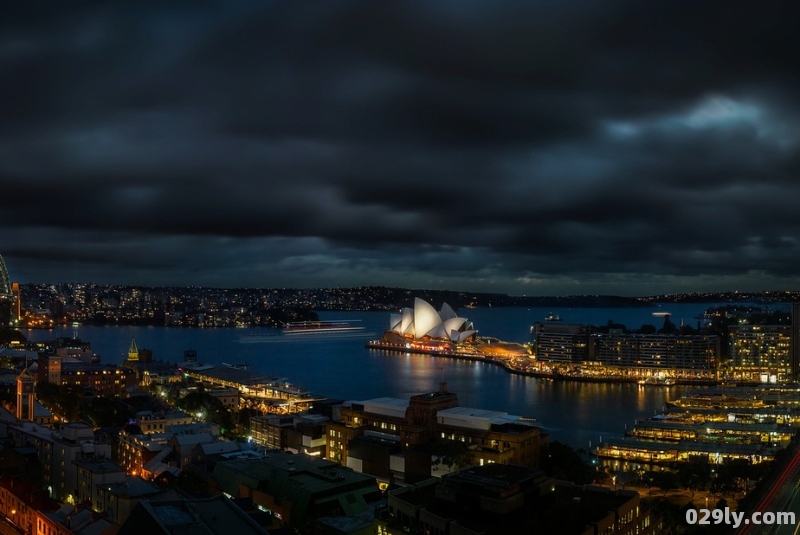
<point x="210" y="407"/>
<point x="452" y="454"/>
<point x="695" y="475"/>
<point x="64" y="401"/>
<point x="107" y="412"/>
<point x="562" y="462"/>
<point x="665" y="480"/>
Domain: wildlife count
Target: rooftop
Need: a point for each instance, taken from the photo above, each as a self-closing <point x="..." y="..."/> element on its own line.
<point x="208" y="516"/>
<point x="386" y="406"/>
<point x="99" y="465"/>
<point x="132" y="487"/>
<point x="310" y="474"/>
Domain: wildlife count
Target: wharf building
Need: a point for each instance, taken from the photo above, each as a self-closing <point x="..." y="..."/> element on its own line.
<point x="769" y="404"/>
<point x="647" y="452"/>
<point x="402" y="439"/>
<point x="668" y="430"/>
<point x="273" y="394"/>
<point x="500" y="499"/>
<point x="715" y="425"/>
<point x="762" y="353"/>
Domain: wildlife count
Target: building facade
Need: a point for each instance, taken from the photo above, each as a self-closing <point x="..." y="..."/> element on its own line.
<point x="761" y="352"/>
<point x="104" y="380"/>
<point x="678" y="354"/>
<point x="500" y="499"/>
<point x="57" y="451"/>
<point x="564" y="343"/>
<point x="399" y="439"/>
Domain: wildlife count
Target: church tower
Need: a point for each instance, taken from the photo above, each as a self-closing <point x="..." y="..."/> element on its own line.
<point x="26" y="395"/>
<point x="133" y="351"/>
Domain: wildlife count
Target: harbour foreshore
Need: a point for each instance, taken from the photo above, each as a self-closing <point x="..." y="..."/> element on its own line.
<point x="529" y="371"/>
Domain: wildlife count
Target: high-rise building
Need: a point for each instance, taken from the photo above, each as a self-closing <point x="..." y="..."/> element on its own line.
<point x="17" y="304"/>
<point x="5" y="282"/>
<point x="761" y="352"/>
<point x="565" y="343"/>
<point x="6" y="296"/>
<point x="795" y="343"/>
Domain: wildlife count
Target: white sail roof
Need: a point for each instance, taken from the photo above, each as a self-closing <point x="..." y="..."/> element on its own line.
<point x="447" y="312"/>
<point x="424" y="320"/>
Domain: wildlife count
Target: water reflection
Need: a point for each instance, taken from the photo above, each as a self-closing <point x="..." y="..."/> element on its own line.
<point x="574" y="413"/>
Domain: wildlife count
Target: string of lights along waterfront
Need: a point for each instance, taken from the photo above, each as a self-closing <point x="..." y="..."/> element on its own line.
<point x="339" y="366"/>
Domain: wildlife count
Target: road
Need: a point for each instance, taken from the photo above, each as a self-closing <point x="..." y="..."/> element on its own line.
<point x="783" y="496"/>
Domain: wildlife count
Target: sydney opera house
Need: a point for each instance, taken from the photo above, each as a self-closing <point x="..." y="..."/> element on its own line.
<point x="424" y="322"/>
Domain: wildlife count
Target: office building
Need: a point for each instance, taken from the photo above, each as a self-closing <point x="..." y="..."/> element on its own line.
<point x="400" y="439"/>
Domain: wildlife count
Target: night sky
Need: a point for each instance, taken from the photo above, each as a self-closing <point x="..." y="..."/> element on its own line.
<point x="532" y="147"/>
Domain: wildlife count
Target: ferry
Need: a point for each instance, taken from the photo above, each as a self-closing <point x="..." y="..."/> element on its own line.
<point x="552" y="317"/>
<point x="321" y="327"/>
<point x="656" y="381"/>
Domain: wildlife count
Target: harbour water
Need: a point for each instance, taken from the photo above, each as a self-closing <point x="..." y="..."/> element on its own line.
<point x="339" y="366"/>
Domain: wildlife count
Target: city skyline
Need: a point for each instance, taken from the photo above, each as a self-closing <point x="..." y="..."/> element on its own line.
<point x="551" y="148"/>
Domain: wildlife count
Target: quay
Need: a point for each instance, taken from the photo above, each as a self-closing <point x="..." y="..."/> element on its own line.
<point x="263" y="389"/>
<point x="717" y="425"/>
<point x="473" y="353"/>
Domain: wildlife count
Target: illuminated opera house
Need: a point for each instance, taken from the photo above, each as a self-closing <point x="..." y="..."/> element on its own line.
<point x="424" y="323"/>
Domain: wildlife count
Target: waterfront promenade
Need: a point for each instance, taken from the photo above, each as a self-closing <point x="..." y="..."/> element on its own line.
<point x="524" y="365"/>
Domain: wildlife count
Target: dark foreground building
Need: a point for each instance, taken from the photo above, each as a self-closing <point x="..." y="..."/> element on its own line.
<point x="203" y="516"/>
<point x="500" y="499"/>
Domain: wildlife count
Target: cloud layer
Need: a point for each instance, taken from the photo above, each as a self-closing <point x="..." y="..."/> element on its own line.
<point x="528" y="147"/>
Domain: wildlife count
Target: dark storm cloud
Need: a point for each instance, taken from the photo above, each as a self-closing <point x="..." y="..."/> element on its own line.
<point x="539" y="147"/>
